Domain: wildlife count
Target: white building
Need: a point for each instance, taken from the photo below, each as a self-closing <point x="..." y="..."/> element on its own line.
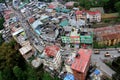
<point x="52" y="57"/>
<point x="26" y="51"/>
<point x="93" y="16"/>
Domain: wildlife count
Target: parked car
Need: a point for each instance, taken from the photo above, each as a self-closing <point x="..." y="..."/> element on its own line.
<point x="96" y="52"/>
<point x="118" y="50"/>
<point x="107" y="54"/>
<point x="114" y="56"/>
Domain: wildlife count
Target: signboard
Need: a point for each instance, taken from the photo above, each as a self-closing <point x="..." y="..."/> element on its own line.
<point x="86" y="39"/>
<point x="65" y="39"/>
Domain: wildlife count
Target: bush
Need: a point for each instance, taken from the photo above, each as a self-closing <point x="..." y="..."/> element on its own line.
<point x="107" y="20"/>
<point x="76" y="4"/>
<point x="1" y="23"/>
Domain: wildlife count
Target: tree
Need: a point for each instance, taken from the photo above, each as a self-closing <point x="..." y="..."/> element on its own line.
<point x="31" y="74"/>
<point x="46" y="76"/>
<point x="76" y="4"/>
<point x="1" y="76"/>
<point x="116" y="67"/>
<point x="19" y="73"/>
<point x="1" y="23"/>
<point x="10" y="57"/>
<point x="117" y="6"/>
<point x="1" y="39"/>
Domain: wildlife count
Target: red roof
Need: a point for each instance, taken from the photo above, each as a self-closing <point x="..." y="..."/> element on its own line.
<point x="78" y="12"/>
<point x="93" y="12"/>
<point x="80" y="63"/>
<point x="7" y="14"/>
<point x="7" y="17"/>
<point x="51" y="6"/>
<point x="74" y="36"/>
<point x="51" y="50"/>
<point x="31" y="20"/>
<point x="7" y="11"/>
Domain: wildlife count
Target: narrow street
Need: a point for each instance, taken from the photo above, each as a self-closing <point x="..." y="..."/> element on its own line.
<point x="29" y="31"/>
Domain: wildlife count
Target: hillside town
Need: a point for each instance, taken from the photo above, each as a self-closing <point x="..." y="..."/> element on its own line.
<point x="62" y="38"/>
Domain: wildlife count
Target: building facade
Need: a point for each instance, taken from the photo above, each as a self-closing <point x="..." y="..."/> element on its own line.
<point x="108" y="35"/>
<point x="52" y="57"/>
<point x="81" y="64"/>
<point x="93" y="16"/>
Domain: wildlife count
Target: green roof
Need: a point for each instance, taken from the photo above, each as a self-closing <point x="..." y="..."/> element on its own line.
<point x="65" y="39"/>
<point x="64" y="10"/>
<point x="58" y="9"/>
<point x="26" y="1"/>
<point x="22" y="5"/>
<point x="64" y="23"/>
<point x="86" y="39"/>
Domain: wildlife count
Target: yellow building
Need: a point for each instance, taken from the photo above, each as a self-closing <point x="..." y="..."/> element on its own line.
<point x="108" y="35"/>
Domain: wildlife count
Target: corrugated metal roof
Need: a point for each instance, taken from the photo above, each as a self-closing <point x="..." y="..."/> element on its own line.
<point x="81" y="62"/>
<point x="36" y="23"/>
<point x="78" y="12"/>
<point x="51" y="6"/>
<point x="93" y="12"/>
<point x="64" y="23"/>
<point x="31" y="20"/>
<point x="51" y="50"/>
<point x="25" y="49"/>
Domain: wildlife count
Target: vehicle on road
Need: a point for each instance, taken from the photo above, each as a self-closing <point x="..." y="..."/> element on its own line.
<point x="118" y="50"/>
<point x="96" y="52"/>
<point x="107" y="54"/>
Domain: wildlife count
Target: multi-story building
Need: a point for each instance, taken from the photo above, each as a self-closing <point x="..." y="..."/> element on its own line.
<point x="27" y="51"/>
<point x="108" y="35"/>
<point x="93" y="16"/>
<point x="81" y="64"/>
<point x="52" y="57"/>
<point x="80" y="15"/>
<point x="9" y="19"/>
<point x="19" y="34"/>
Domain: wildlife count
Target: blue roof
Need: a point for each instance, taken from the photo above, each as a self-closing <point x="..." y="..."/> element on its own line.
<point x="97" y="72"/>
<point x="38" y="32"/>
<point x="69" y="77"/>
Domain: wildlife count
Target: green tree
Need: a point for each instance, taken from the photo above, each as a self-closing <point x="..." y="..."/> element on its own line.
<point x="1" y="23"/>
<point x="116" y="67"/>
<point x="31" y="74"/>
<point x="19" y="73"/>
<point x="7" y="74"/>
<point x="117" y="6"/>
<point x="10" y="57"/>
<point x="46" y="76"/>
<point x="1" y="39"/>
<point x="76" y="4"/>
<point x="1" y="76"/>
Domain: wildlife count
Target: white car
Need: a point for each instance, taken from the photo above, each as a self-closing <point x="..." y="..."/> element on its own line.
<point x="118" y="50"/>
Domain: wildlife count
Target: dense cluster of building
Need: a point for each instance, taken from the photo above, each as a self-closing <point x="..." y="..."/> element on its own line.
<point x="64" y="32"/>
